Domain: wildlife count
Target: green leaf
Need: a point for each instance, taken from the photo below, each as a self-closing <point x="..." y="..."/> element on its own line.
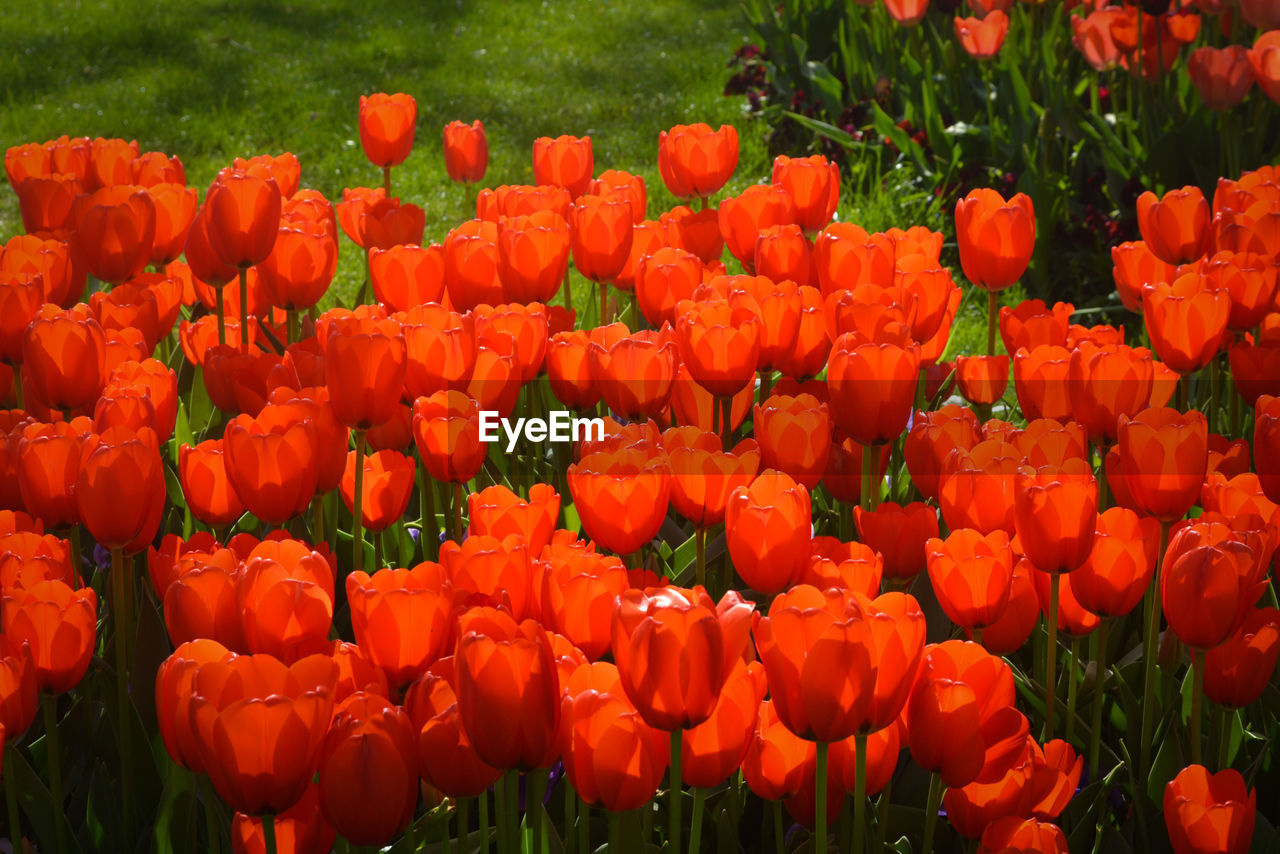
<point x="37" y="804"/>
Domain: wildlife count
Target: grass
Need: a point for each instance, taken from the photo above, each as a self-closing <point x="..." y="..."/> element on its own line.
<point x="209" y="80"/>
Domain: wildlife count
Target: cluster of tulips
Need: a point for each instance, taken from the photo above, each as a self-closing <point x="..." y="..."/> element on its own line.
<point x="495" y="649"/>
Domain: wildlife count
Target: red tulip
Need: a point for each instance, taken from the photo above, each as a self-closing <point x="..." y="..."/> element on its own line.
<point x="565" y="161"/>
<point x="387" y="124"/>
<point x="768" y="528"/>
<point x="996" y="237"/>
<point x="695" y="161"/>
<point x="1209" y="812"/>
<point x="466" y="151"/>
<point x="243" y="212"/>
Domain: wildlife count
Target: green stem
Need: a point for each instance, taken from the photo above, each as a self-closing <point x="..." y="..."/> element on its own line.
<point x="726" y="420"/>
<point x="430" y="535"/>
<point x="868" y="474"/>
<point x="49" y="705"/>
<point x="1215" y="380"/>
<point x="457" y="512"/>
<point x="674" y="790"/>
<point x="860" y="793"/>
<point x="695" y="832"/>
<point x="357" y="503"/>
<point x="244" y="309"/>
<point x="1197" y="702"/>
<point x="212" y="825"/>
<point x="993" y="309"/>
<point x="568" y="290"/>
<point x="584" y="827"/>
<point x="779" y="836"/>
<point x="317" y="519"/>
<point x="700" y="567"/>
<point x="931" y="811"/>
<point x="1150" y="650"/>
<point x="386" y="180"/>
<point x="269" y="832"/>
<point x="292" y="330"/>
<point x="537" y="788"/>
<point x="464" y="822"/>
<point x="221" y="308"/>
<point x="1227" y="717"/>
<point x="765" y="388"/>
<point x="11" y="795"/>
<point x="604" y="304"/>
<point x="820" y="799"/>
<point x="119" y="597"/>
<point x="499" y="812"/>
<point x="484" y="822"/>
<point x="513" y="811"/>
<point x="1099" y="697"/>
<point x="1073" y="688"/>
<point x="1051" y="673"/>
<point x="615" y="831"/>
<point x="882" y="815"/>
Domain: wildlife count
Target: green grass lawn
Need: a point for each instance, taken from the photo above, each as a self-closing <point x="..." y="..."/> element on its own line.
<point x="211" y="80"/>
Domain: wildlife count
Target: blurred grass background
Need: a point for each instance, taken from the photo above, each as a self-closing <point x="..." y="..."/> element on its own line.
<point x="209" y="80"/>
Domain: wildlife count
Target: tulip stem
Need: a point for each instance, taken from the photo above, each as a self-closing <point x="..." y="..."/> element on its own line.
<point x="584" y="827"/>
<point x="244" y="309"/>
<point x="269" y="832"/>
<point x="17" y="388"/>
<point x="386" y="180"/>
<point x="993" y="307"/>
<point x="932" y="803"/>
<point x="430" y="534"/>
<point x="568" y="290"/>
<point x="726" y="421"/>
<point x="317" y="520"/>
<point x="221" y="308"/>
<point x="1150" y="642"/>
<point x="120" y="609"/>
<point x="820" y="799"/>
<point x="1226" y="718"/>
<point x="604" y="303"/>
<point x="1051" y="656"/>
<point x="1073" y="688"/>
<point x="376" y="536"/>
<point x="860" y="793"/>
<point x="457" y="512"/>
<point x="500" y="813"/>
<point x="49" y="705"/>
<point x="779" y="835"/>
<point x="11" y="795"/>
<point x="291" y="329"/>
<point x="882" y="815"/>
<point x="700" y="567"/>
<point x="537" y="790"/>
<point x="615" y="831"/>
<point x="357" y="504"/>
<point x="1197" y="702"/>
<point x="513" y="812"/>
<point x="484" y="821"/>
<point x="1099" y="697"/>
<point x="695" y="832"/>
<point x="674" y="789"/>
<point x="1215" y="380"/>
<point x="866" y="499"/>
<point x="766" y="387"/>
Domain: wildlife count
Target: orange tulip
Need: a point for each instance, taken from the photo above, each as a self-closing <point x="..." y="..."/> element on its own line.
<point x="569" y="370"/>
<point x="1055" y="513"/>
<point x="817" y="650"/>
<point x="702" y="481"/>
<point x="19" y="696"/>
<point x="971" y="575"/>
<point x="1186" y="322"/>
<point x="201" y="601"/>
<point x="47" y="461"/>
<point x="565" y="161"/>
<point x="698" y="233"/>
<point x="872" y="387"/>
<point x="898" y="534"/>
<point x="714" y="749"/>
<point x="1222" y="76"/>
<point x="907" y="13"/>
<point x="768" y="529"/>
<point x="387" y="124"/>
<point x="1206" y="812"/>
<point x="284" y="169"/>
<point x="61" y="273"/>
<point x="509" y="695"/>
<point x="259" y="727"/>
<point x="301" y="829"/>
<point x="205" y="485"/>
<point x="60" y="626"/>
<point x="300" y="267"/>
<point x="744" y="216"/>
<point x="579" y="591"/>
<point x="621" y="496"/>
<point x="663" y="279"/>
<point x="777" y="762"/>
<point x="719" y="342"/>
<point x="982" y="37"/>
<point x="498" y="512"/>
<point x="612" y="757"/>
<point x="387" y="222"/>
<point x="795" y="436"/>
<point x="1018" y="834"/>
<point x="243" y="213"/>
<point x="271" y="462"/>
<point x="982" y="379"/>
<point x="405" y="277"/>
<point x="1206" y="592"/>
<point x="1163" y="455"/>
<point x="447" y="759"/>
<point x="446" y="430"/>
<point x="520" y="328"/>
<point x="932" y="438"/>
<point x="440" y="349"/>
<point x="387" y="487"/>
<point x="403" y="619"/>
<point x="1121" y="563"/>
<point x="65" y="353"/>
<point x="533" y="254"/>
<point x="1175" y="226"/>
<point x="120" y="488"/>
<point x="1264" y="59"/>
<point x="364" y="370"/>
<point x="635" y="374"/>
<point x="494" y="573"/>
<point x="115" y="229"/>
<point x="1237" y="671"/>
<point x="996" y="237"/>
<point x="47" y="202"/>
<point x="696" y="161"/>
<point x="961" y="720"/>
<point x="368" y="773"/>
<point x="466" y="151"/>
<point x="814" y="186"/>
<point x="601" y="231"/>
<point x="284" y="611"/>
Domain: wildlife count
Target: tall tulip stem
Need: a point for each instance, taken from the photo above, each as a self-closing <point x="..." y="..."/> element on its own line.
<point x="1197" y="702"/>
<point x="1215" y="381"/>
<point x="1150" y="648"/>
<point x="464" y="822"/>
<point x="500" y="813"/>
<point x="604" y="303"/>
<point x="484" y="822"/>
<point x="882" y="815"/>
<point x="537" y="789"/>
<point x="779" y="832"/>
<point x="430" y="535"/>
<point x="1226" y="718"/>
<point x="457" y="511"/>
<point x="584" y="827"/>
<point x="700" y="567"/>
<point x="120" y="611"/>
<point x="11" y="794"/>
<point x="269" y="832"/>
<point x="292" y="331"/>
<point x="695" y="831"/>
<point x="568" y="290"/>
<point x="932" y="803"/>
<point x="386" y="180"/>
<point x="49" y="705"/>
<point x="221" y="308"/>
<point x="1051" y="656"/>
<point x="674" y="790"/>
<point x="860" y="793"/>
<point x="866" y="498"/>
<point x="357" y="503"/>
<point x="726" y="421"/>
<point x="244" y="309"/>
<point x="993" y="307"/>
<point x="820" y="799"/>
<point x="1099" y="697"/>
<point x="17" y="388"/>
<point x="1073" y="688"/>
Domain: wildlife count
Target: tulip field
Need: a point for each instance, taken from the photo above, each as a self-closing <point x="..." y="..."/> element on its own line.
<point x="668" y="516"/>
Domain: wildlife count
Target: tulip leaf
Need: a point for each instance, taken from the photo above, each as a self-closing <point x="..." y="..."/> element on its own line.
<point x="1266" y="838"/>
<point x="1171" y="757"/>
<point x="36" y="803"/>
